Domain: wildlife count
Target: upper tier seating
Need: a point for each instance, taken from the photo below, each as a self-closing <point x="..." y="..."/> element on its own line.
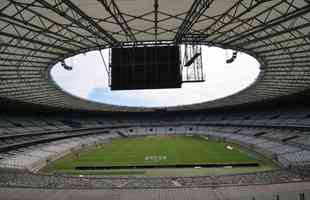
<point x="281" y="132"/>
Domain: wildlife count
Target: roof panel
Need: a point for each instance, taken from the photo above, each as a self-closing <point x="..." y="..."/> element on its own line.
<point x="276" y="31"/>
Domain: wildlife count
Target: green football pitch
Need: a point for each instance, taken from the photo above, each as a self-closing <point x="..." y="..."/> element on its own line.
<point x="155" y="150"/>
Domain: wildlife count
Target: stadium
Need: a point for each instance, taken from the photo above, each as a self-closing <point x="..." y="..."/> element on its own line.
<point x="254" y="144"/>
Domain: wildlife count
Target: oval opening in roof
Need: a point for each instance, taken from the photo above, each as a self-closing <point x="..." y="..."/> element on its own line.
<point x="88" y="79"/>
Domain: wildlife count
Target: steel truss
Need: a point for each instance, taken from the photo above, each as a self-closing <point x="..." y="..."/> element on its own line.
<point x="192" y="66"/>
<point x="114" y="11"/>
<point x="197" y="9"/>
<point x="36" y="34"/>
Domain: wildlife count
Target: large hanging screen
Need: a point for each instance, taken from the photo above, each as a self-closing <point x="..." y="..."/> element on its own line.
<point x="145" y="68"/>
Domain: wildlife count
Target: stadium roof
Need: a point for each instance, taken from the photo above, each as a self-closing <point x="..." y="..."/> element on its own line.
<point x="36" y="34"/>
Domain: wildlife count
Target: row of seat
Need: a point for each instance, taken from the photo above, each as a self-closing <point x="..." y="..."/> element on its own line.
<point x="24" y="179"/>
<point x="288" y="154"/>
<point x="299" y="117"/>
<point x="37" y="155"/>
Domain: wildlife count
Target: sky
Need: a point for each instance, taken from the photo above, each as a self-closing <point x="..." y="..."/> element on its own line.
<point x="89" y="80"/>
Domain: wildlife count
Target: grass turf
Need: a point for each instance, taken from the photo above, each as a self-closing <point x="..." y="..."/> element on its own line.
<point x="153" y="150"/>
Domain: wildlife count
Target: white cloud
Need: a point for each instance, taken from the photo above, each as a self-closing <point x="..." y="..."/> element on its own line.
<point x="88" y="73"/>
<point x="222" y="80"/>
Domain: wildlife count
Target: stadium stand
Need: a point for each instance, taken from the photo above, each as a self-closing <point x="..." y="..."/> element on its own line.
<point x="46" y="144"/>
<point x="22" y="179"/>
<point x="40" y="122"/>
<point x="36" y="157"/>
<point x="291" y="153"/>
